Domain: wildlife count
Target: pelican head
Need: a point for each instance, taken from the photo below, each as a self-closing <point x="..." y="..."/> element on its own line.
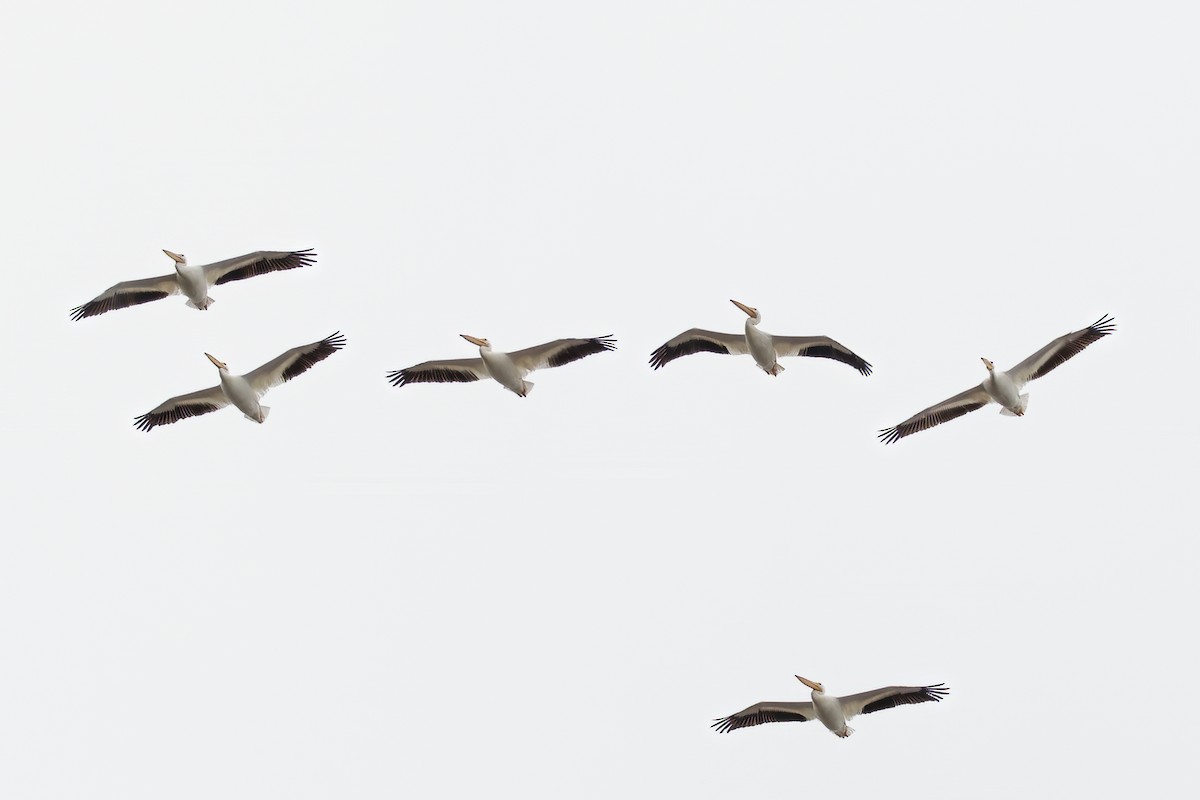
<point x="178" y="258"/>
<point x="988" y="364"/>
<point x="752" y="313"/>
<point x="478" y="342"/>
<point x="816" y="687"/>
<point x="218" y="363"/>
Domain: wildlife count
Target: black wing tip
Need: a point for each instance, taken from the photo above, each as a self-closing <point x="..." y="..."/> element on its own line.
<point x="724" y="725"/>
<point x="304" y="258"/>
<point x="864" y="367"/>
<point x="1104" y="326"/>
<point x="658" y="359"/>
<point x="336" y="340"/>
<point x="398" y="377"/>
<point x="936" y="692"/>
<point x="606" y="341"/>
<point x="890" y="435"/>
<point x="79" y="312"/>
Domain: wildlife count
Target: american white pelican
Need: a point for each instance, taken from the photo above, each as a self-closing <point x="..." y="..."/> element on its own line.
<point x="508" y="369"/>
<point x="193" y="281"/>
<point x="1003" y="387"/>
<point x="243" y="391"/>
<point x="832" y="711"/>
<point x="765" y="348"/>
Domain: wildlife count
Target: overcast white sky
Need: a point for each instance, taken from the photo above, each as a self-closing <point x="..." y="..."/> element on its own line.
<point x="445" y="591"/>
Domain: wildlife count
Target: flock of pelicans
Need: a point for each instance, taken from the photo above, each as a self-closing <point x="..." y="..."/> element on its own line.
<point x="511" y="369"/>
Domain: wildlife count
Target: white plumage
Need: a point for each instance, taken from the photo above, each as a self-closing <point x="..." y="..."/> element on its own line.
<point x="1003" y="388"/>
<point x="192" y="281"/>
<point x="243" y="391"/>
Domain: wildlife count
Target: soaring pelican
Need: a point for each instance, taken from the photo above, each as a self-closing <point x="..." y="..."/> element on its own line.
<point x="1003" y="387"/>
<point x="508" y="369"/>
<point x="832" y="711"/>
<point x="766" y="349"/>
<point x="242" y="390"/>
<point x="193" y="281"/>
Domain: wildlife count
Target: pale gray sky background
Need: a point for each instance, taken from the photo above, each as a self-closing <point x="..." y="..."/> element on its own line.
<point x="445" y="591"/>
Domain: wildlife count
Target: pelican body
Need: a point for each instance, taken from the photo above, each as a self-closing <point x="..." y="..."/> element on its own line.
<point x="759" y="342"/>
<point x="239" y="392"/>
<point x="1004" y="388"/>
<point x="507" y="369"/>
<point x="500" y="367"/>
<point x="764" y="348"/>
<point x="828" y="709"/>
<point x="193" y="282"/>
<point x="833" y="712"/>
<point x="242" y="391"/>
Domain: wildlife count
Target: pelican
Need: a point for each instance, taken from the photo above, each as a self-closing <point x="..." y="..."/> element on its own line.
<point x="1003" y="387"/>
<point x="832" y="711"/>
<point x="765" y="348"/>
<point x="508" y="369"/>
<point x="243" y="391"/>
<point x="193" y="281"/>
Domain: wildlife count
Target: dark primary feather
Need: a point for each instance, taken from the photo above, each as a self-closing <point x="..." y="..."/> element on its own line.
<point x="121" y="300"/>
<point x="1075" y="343"/>
<point x="182" y="411"/>
<point x="923" y="694"/>
<point x="269" y="262"/>
<point x="435" y="372"/>
<point x="759" y="714"/>
<point x="668" y="352"/>
<point x="968" y="401"/>
<point x="582" y="348"/>
<point x="321" y="351"/>
<point x="837" y="353"/>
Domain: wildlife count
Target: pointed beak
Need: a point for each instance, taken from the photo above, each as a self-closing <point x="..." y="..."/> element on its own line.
<point x="986" y="363"/>
<point x="808" y="683"/>
<point x="178" y="259"/>
<point x="473" y="340"/>
<point x="749" y="311"/>
<point x="218" y="363"/>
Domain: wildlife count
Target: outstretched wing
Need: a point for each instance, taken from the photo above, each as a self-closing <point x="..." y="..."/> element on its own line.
<point x="698" y="340"/>
<point x="449" y="370"/>
<point x="128" y="293"/>
<point x="760" y="713"/>
<point x="819" y="347"/>
<point x="294" y="362"/>
<point x="944" y="411"/>
<point x="890" y="697"/>
<point x="254" y="264"/>
<point x="204" y="401"/>
<point x="559" y="352"/>
<point x="1061" y="350"/>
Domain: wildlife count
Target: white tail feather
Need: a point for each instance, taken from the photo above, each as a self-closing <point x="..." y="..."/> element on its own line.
<point x="526" y="388"/>
<point x="208" y="301"/>
<point x="1022" y="404"/>
<point x="264" y="410"/>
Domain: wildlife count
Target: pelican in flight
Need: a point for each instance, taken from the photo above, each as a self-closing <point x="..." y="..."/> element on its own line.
<point x="193" y="281"/>
<point x="1003" y="387"/>
<point x="508" y="369"/>
<point x="243" y="391"/>
<point x="832" y="711"/>
<point x="765" y="348"/>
